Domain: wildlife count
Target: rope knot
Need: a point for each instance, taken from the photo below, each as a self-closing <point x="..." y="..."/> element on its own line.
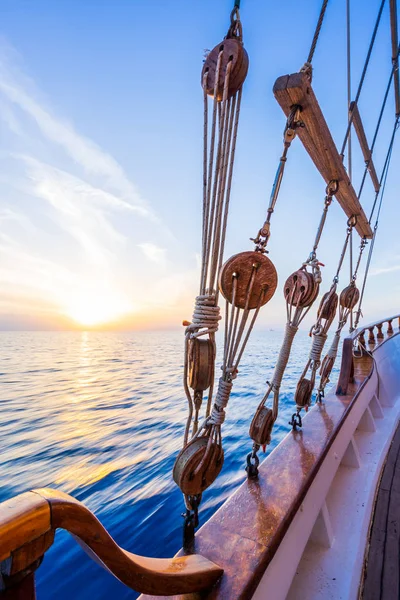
<point x="315" y="265"/>
<point x="206" y="316"/>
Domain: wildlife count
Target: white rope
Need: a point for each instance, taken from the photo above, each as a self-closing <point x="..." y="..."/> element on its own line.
<point x="205" y="316"/>
<point x="317" y="346"/>
<point x="315" y="266"/>
<point x="284" y="353"/>
<point x="217" y="416"/>
<point x="333" y="350"/>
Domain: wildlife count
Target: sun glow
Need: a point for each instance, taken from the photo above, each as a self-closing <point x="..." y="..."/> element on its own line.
<point x="97" y="307"/>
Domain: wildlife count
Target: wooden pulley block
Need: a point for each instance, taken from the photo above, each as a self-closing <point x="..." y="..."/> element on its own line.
<point x="189" y="458"/>
<point x="261" y="426"/>
<point x="201" y="364"/>
<point x="233" y="52"/>
<point x="327" y="307"/>
<point x="303" y="393"/>
<point x="300" y="289"/>
<point x="241" y="267"/>
<point x="349" y="297"/>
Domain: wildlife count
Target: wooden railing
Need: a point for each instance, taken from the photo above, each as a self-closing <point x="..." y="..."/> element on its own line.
<point x="357" y="344"/>
<point x="27" y="526"/>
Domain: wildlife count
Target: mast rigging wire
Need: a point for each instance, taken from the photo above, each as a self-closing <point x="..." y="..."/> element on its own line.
<point x="364" y="71"/>
<point x="317" y="31"/>
<point x="383" y="180"/>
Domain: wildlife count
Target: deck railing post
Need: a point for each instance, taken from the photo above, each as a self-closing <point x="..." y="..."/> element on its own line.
<point x="347" y="367"/>
<point x="23" y="590"/>
<point x="390" y="328"/>
<point x="371" y="336"/>
<point x="380" y="334"/>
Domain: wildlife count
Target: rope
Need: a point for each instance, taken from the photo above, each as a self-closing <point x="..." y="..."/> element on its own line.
<point x="364" y="71"/>
<point x="349" y="157"/>
<point x="317" y="31"/>
<point x="383" y="180"/>
<point x="219" y="146"/>
<point x="295" y="314"/>
<point x="206" y="316"/>
<point x="284" y="353"/>
<point x="292" y="123"/>
<point x="333" y="350"/>
<point x="317" y="346"/>
<point x="217" y="416"/>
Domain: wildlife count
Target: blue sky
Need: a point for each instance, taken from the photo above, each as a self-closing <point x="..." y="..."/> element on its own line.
<point x="101" y="154"/>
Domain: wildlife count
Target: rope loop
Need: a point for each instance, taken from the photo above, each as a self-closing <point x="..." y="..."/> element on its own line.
<point x="206" y="316"/>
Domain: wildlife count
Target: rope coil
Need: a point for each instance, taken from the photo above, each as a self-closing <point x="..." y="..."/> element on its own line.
<point x="318" y="343"/>
<point x="206" y="316"/>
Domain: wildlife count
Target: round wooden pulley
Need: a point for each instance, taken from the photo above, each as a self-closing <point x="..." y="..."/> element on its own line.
<point x="327" y="307"/>
<point x="303" y="393"/>
<point x="232" y="51"/>
<point x="261" y="426"/>
<point x="189" y="458"/>
<point x="241" y="267"/>
<point x="300" y="288"/>
<point x="201" y="364"/>
<point x="349" y="297"/>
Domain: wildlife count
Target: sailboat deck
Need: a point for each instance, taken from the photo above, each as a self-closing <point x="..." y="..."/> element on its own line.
<point x="382" y="572"/>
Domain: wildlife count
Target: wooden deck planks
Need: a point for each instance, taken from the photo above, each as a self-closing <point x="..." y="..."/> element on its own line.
<point x="382" y="571"/>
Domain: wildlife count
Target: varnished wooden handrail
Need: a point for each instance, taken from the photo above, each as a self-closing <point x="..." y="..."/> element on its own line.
<point x="347" y="366"/>
<point x="26" y="521"/>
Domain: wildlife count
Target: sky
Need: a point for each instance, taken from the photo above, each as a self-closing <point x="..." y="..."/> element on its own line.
<point x="101" y="122"/>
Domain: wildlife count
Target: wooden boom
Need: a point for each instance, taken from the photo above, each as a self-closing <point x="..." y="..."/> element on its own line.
<point x="27" y="526"/>
<point x="291" y="90"/>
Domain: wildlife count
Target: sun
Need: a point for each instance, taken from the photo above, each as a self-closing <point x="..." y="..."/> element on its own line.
<point x="90" y="308"/>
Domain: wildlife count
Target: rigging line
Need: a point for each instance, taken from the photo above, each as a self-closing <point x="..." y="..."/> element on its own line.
<point x="317" y="31"/>
<point x="364" y="71"/>
<point x="395" y="56"/>
<point x="383" y="106"/>
<point x="349" y="155"/>
<point x="376" y="134"/>
<point x="349" y="158"/>
<point x="383" y="185"/>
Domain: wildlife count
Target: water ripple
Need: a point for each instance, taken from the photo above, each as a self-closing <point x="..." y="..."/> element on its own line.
<point x="94" y="415"/>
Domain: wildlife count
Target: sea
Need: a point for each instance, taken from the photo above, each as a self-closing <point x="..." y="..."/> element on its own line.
<point x="101" y="417"/>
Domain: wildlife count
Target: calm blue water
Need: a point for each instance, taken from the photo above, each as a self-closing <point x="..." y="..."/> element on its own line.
<point x="100" y="416"/>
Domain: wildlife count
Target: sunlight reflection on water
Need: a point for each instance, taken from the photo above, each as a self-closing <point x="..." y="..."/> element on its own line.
<point x="100" y="416"/>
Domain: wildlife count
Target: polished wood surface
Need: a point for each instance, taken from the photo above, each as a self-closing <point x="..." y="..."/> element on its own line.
<point x="245" y="533"/>
<point x="23" y="519"/>
<point x="28" y="523"/>
<point x="382" y="567"/>
<point x="356" y="342"/>
<point x="295" y="89"/>
<point x="24" y="590"/>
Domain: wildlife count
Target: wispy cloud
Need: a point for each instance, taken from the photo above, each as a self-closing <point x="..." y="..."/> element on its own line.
<point x="72" y="223"/>
<point x="20" y="91"/>
<point x="153" y="252"/>
<point x="382" y="270"/>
